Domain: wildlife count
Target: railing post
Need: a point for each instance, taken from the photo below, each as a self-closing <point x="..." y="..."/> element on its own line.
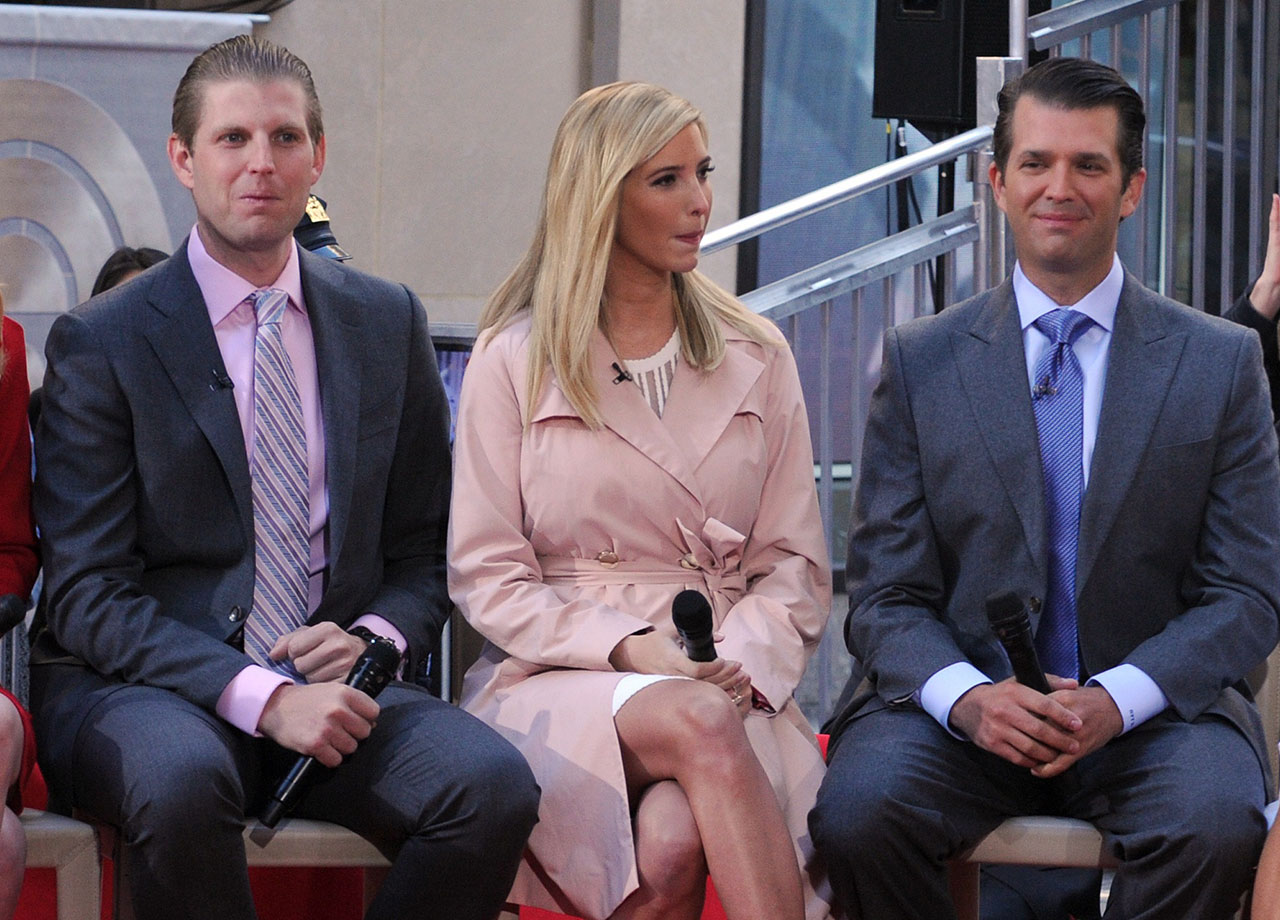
<point x="1018" y="29"/>
<point x="993" y="256"/>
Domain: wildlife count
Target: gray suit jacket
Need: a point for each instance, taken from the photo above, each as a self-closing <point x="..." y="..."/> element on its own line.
<point x="143" y="488"/>
<point x="1179" y="547"/>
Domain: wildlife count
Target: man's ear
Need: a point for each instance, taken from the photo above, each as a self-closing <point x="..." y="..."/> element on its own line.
<point x="996" y="178"/>
<point x="180" y="161"/>
<point x="317" y="165"/>
<point x="1132" y="194"/>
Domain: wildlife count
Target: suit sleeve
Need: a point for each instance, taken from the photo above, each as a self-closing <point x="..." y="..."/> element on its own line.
<point x="86" y="499"/>
<point x="894" y="573"/>
<point x="1231" y="588"/>
<point x="494" y="574"/>
<point x="413" y="595"/>
<point x="777" y="624"/>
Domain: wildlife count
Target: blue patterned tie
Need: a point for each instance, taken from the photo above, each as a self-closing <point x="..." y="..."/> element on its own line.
<point x="281" y="490"/>
<point x="1058" y="402"/>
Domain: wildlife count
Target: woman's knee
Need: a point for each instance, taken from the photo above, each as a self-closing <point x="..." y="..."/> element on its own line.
<point x="13" y="845"/>
<point x="12" y="738"/>
<point x="706" y="724"/>
<point x="669" y="847"/>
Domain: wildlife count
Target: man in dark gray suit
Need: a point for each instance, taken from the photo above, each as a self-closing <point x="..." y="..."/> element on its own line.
<point x="243" y="481"/>
<point x="1107" y="456"/>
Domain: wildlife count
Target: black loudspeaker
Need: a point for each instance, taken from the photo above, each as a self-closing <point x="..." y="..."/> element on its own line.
<point x="925" y="58"/>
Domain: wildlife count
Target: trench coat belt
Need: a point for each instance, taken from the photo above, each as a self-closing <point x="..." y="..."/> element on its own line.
<point x="714" y="555"/>
<point x="587" y="571"/>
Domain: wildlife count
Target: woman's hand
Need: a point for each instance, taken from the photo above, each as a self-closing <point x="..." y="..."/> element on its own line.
<point x="653" y="653"/>
<point x="1265" y="296"/>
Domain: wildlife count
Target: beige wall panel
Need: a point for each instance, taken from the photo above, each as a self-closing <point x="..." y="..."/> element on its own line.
<point x="341" y="40"/>
<point x="440" y="116"/>
<point x="696" y="51"/>
<point x="436" y="158"/>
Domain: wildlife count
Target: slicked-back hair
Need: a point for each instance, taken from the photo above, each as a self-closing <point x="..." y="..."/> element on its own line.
<point x="243" y="57"/>
<point x="1075" y="83"/>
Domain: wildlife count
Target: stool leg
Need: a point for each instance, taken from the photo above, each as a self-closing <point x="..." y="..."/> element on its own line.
<point x="79" y="885"/>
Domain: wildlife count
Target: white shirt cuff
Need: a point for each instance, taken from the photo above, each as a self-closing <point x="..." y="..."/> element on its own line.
<point x="941" y="691"/>
<point x="1135" y="694"/>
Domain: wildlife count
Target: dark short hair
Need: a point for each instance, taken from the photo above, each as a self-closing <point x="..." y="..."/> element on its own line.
<point x="124" y="261"/>
<point x="243" y="57"/>
<point x="1075" y="83"/>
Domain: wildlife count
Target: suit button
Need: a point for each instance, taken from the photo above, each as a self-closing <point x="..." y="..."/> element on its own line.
<point x="1034" y="604"/>
<point x="236" y="614"/>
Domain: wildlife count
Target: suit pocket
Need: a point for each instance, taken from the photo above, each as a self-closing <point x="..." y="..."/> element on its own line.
<point x="1185" y="455"/>
<point x="379" y="418"/>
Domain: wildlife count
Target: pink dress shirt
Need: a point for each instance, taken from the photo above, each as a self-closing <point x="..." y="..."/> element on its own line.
<point x="225" y="294"/>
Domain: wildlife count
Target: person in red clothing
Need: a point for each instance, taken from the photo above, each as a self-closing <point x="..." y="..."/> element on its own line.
<point x="18" y="566"/>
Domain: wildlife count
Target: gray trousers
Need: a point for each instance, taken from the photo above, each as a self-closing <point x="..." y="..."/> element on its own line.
<point x="440" y="793"/>
<point x="1180" y="804"/>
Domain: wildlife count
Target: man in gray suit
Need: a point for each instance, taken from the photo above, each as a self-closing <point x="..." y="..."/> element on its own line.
<point x="1107" y="456"/>
<point x="244" y="481"/>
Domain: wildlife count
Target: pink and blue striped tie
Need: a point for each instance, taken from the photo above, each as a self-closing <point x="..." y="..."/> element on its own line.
<point x="280" y="489"/>
<point x="1059" y="409"/>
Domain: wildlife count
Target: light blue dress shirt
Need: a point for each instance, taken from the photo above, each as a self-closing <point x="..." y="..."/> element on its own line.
<point x="1135" y="694"/>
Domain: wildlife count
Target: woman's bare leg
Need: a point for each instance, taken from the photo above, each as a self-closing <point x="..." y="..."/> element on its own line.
<point x="673" y="873"/>
<point x="1266" y="887"/>
<point x="13" y="843"/>
<point x="690" y="732"/>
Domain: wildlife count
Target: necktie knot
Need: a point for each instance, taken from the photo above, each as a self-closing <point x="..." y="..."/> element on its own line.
<point x="1063" y="327"/>
<point x="269" y="305"/>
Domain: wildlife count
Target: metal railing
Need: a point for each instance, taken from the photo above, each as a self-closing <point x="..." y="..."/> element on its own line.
<point x="1211" y="132"/>
<point x="1191" y="150"/>
<point x="1167" y="246"/>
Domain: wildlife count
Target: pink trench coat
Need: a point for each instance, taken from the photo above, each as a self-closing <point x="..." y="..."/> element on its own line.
<point x="564" y="540"/>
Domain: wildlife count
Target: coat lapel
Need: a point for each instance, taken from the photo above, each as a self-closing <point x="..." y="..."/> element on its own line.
<point x="628" y="415"/>
<point x="701" y="406"/>
<point x="1140" y="366"/>
<point x="992" y="365"/>
<point x="335" y="323"/>
<point x="181" y="335"/>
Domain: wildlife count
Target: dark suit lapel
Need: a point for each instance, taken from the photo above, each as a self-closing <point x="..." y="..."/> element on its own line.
<point x="1141" y="361"/>
<point x="181" y="335"/>
<point x="335" y="323"/>
<point x="992" y="364"/>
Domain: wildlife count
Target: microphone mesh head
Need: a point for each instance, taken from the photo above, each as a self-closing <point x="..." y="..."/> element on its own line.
<point x="1004" y="608"/>
<point x="691" y="612"/>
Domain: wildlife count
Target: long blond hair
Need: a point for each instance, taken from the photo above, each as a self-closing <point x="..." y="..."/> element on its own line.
<point x="607" y="132"/>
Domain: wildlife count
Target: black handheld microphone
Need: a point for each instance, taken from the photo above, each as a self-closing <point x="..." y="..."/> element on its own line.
<point x="691" y="613"/>
<point x="1009" y="621"/>
<point x="372" y="671"/>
